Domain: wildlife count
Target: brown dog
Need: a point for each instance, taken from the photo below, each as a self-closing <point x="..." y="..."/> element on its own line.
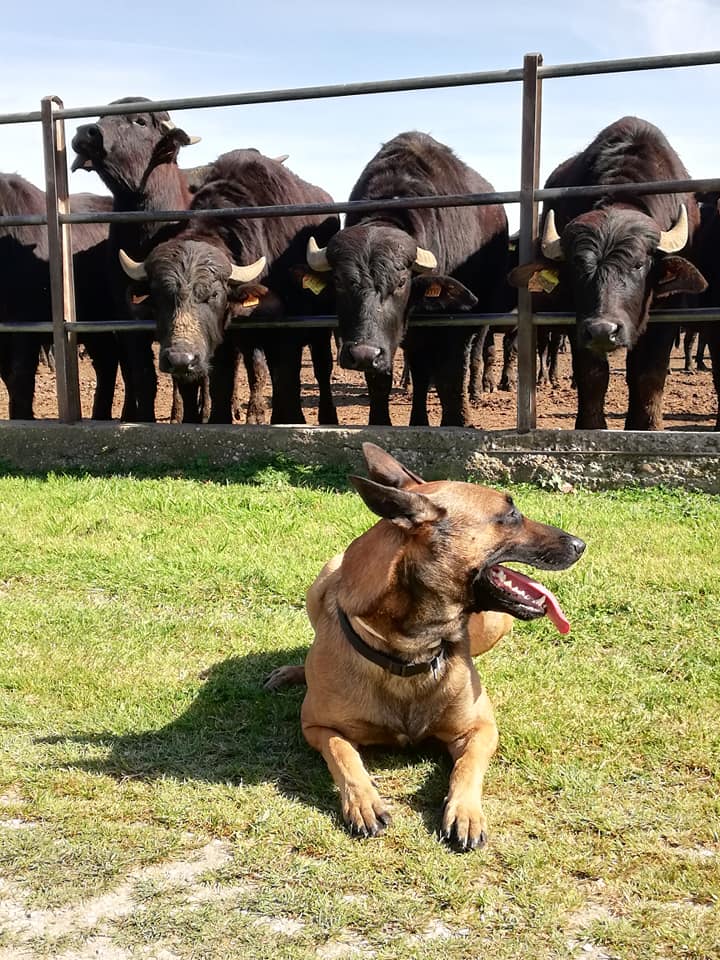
<point x="397" y="619"/>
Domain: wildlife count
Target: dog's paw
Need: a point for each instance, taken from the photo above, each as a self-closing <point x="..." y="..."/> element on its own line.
<point x="287" y="676"/>
<point x="464" y="824"/>
<point x="366" y="815"/>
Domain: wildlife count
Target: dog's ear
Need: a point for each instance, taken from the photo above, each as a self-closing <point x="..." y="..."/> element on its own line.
<point x="386" y="469"/>
<point x="403" y="507"/>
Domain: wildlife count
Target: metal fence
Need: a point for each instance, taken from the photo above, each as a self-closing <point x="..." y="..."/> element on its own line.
<point x="64" y="326"/>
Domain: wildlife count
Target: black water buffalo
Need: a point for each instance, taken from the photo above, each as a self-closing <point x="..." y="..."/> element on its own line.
<point x="608" y="260"/>
<point x="388" y="264"/>
<point x="25" y="293"/>
<point x="707" y="257"/>
<point x="135" y="155"/>
<point x="196" y="287"/>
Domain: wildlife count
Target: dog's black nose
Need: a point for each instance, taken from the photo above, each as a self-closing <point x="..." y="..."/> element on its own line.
<point x="577" y="545"/>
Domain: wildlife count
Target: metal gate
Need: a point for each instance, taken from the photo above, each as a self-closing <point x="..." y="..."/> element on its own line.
<point x="65" y="327"/>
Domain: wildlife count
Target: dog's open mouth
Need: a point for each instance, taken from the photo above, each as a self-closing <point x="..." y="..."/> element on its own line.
<point x="514" y="593"/>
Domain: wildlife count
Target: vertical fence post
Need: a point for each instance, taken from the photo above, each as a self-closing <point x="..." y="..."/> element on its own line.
<point x="529" y="176"/>
<point x="62" y="287"/>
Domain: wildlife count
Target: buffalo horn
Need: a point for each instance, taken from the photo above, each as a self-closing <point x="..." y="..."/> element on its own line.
<point x="424" y="259"/>
<point x="134" y="270"/>
<point x="676" y="237"/>
<point x="317" y="257"/>
<point x="168" y="126"/>
<point x="551" y="246"/>
<point x="247" y="273"/>
<point x="282" y="158"/>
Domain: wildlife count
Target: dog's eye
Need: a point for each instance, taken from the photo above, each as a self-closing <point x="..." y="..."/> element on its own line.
<point x="510" y="519"/>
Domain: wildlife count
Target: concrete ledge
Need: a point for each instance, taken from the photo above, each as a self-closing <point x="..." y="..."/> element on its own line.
<point x="591" y="459"/>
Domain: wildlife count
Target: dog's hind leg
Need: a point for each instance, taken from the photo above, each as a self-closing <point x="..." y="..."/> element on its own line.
<point x="287" y="676"/>
<point x="364" y="810"/>
<point x="463" y="819"/>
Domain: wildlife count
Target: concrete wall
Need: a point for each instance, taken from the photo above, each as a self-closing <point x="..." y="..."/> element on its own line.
<point x="592" y="459"/>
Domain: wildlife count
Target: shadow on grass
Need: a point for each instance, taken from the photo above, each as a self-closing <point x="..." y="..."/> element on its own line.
<point x="277" y="470"/>
<point x="237" y="732"/>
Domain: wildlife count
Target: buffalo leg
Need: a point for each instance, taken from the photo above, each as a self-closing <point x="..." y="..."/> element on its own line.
<point x="647" y="365"/>
<point x="449" y="372"/>
<point x="476" y="378"/>
<point x="712" y="339"/>
<point x="102" y="350"/>
<point x="591" y="373"/>
<point x="138" y="368"/>
<point x="508" y="378"/>
<point x="222" y="381"/>
<point x="189" y="400"/>
<point x="285" y="362"/>
<point x="24" y="354"/>
<point x="322" y="361"/>
<point x="258" y="377"/>
<point x="379" y="386"/>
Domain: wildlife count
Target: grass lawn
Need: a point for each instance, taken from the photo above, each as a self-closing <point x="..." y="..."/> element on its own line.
<point x="155" y="802"/>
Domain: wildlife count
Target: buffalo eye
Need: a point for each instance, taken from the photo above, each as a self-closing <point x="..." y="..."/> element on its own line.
<point x="402" y="282"/>
<point x="639" y="265"/>
<point x="139" y="121"/>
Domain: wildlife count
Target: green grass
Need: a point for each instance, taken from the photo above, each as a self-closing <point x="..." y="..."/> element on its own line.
<point x="138" y="618"/>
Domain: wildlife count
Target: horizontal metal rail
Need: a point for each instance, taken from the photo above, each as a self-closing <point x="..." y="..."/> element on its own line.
<point x="705" y="185"/>
<point x="304" y="322"/>
<point x="327" y="91"/>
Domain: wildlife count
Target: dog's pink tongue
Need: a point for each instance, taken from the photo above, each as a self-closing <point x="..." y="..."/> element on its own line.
<point x="553" y="610"/>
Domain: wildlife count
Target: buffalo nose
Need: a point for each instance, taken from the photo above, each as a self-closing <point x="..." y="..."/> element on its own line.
<point x="602" y="334"/>
<point x="359" y="356"/>
<point x="90" y="131"/>
<point x="177" y="360"/>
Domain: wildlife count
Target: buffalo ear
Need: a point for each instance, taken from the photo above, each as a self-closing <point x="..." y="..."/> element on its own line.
<point x="168" y="147"/>
<point x="678" y="275"/>
<point x="431" y="293"/>
<point x="520" y="276"/>
<point x="386" y="469"/>
<point x="405" y="509"/>
<point x="245" y="298"/>
<point x="137" y="296"/>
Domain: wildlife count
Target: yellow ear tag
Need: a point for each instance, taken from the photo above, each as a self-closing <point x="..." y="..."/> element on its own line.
<point x="543" y="281"/>
<point x="434" y="290"/>
<point x="251" y="300"/>
<point x="512" y="247"/>
<point x="311" y="281"/>
<point x="139" y="298"/>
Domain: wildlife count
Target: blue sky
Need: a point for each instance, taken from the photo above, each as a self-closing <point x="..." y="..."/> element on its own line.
<point x="90" y="54"/>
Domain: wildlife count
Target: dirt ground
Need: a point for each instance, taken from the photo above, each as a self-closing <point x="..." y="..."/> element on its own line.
<point x="690" y="402"/>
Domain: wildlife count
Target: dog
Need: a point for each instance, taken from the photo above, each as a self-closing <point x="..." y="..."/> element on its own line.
<point x="398" y="617"/>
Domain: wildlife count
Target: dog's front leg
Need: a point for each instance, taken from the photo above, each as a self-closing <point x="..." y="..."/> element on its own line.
<point x="364" y="811"/>
<point x="463" y="818"/>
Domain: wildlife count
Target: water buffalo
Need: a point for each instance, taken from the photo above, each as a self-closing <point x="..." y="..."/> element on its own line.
<point x="195" y="286"/>
<point x="388" y="264"/>
<point x="609" y="260"/>
<point x="135" y="155"/>
<point x="25" y="293"/>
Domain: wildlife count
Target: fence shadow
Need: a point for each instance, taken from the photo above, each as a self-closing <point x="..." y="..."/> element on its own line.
<point x="276" y="469"/>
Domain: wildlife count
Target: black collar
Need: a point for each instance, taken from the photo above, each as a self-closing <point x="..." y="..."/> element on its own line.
<point x="400" y="668"/>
